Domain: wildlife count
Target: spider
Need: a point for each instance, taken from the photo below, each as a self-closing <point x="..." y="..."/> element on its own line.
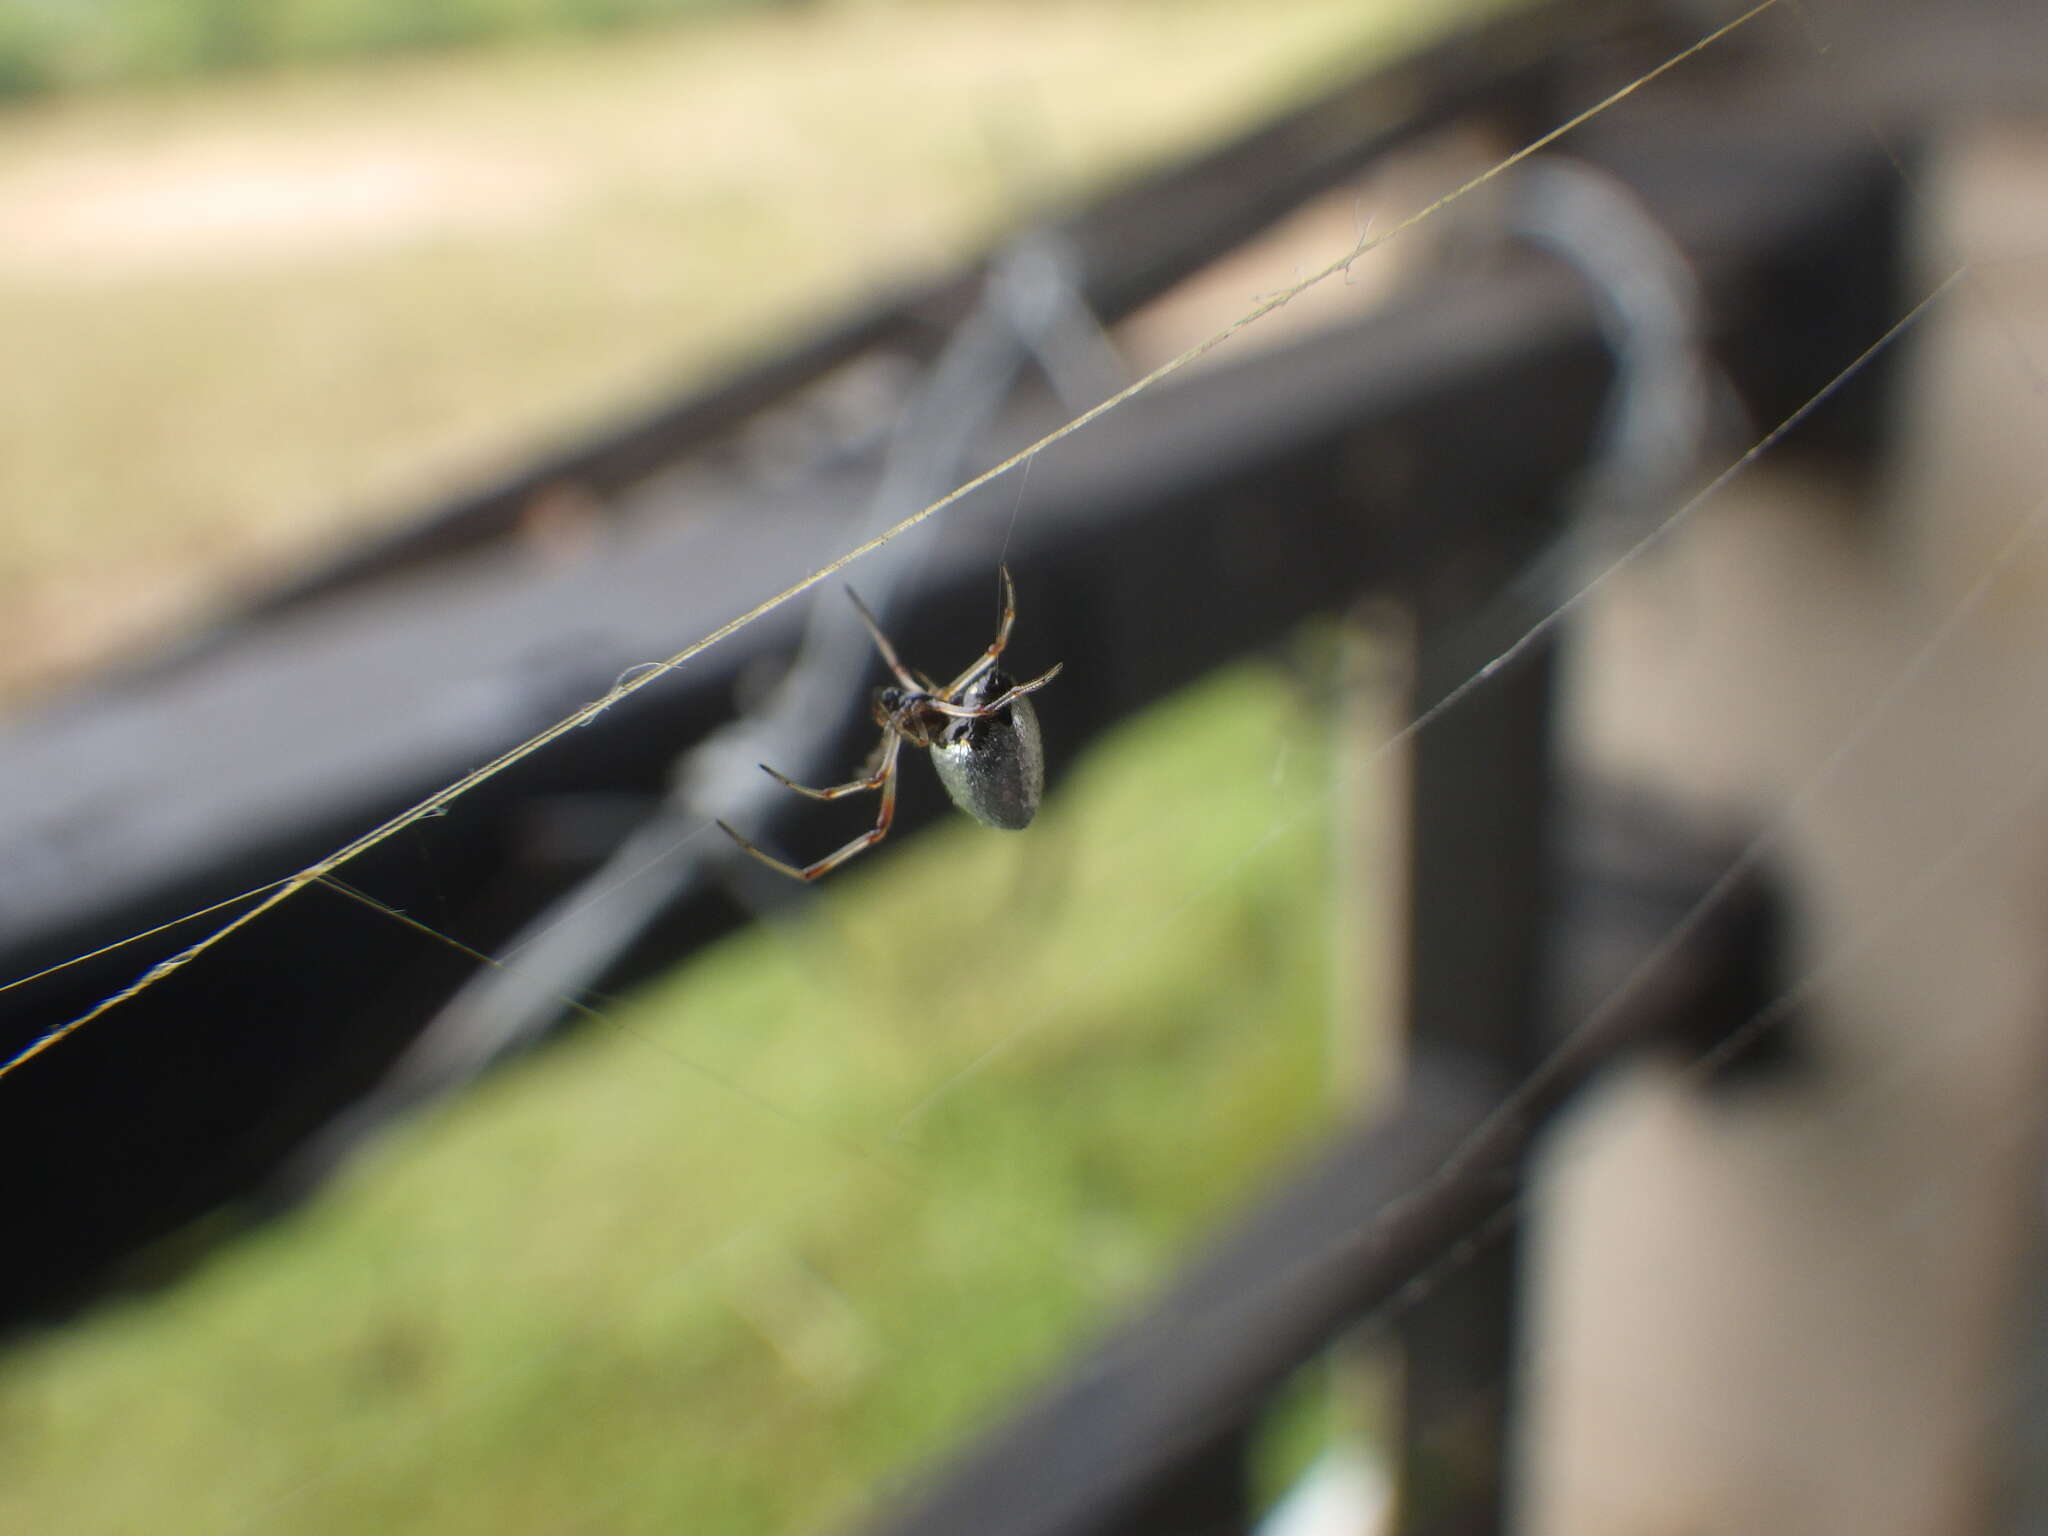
<point x="980" y="730"/>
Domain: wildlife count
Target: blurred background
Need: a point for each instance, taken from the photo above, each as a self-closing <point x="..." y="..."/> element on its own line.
<point x="1521" y="1009"/>
<point x="286" y="271"/>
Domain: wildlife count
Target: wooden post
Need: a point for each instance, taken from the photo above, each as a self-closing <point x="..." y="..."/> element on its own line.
<point x="1478" y="903"/>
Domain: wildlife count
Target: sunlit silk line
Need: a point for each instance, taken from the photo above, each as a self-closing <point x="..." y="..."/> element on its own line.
<point x="136" y="938"/>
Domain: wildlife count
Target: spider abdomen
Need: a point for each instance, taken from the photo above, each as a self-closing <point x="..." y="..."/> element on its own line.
<point x="981" y="732"/>
<point x="994" y="768"/>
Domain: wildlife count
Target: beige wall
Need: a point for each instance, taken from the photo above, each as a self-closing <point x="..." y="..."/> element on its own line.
<point x="1797" y="1308"/>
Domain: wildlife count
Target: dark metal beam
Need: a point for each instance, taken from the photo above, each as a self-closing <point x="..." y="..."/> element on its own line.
<point x="1425" y="1192"/>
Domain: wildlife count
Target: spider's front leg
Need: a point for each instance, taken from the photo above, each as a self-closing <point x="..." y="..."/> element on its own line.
<point x="996" y="646"/>
<point x="850" y="787"/>
<point x="913" y="682"/>
<point x="998" y="705"/>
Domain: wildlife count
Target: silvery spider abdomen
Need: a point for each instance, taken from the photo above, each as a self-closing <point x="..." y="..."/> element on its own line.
<point x="994" y="766"/>
<point x="979" y="728"/>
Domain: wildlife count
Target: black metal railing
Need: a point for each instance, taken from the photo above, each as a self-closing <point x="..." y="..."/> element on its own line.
<point x="1428" y="453"/>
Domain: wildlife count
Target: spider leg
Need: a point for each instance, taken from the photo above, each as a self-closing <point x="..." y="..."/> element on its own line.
<point x="766" y="858"/>
<point x="994" y="706"/>
<point x="885" y="776"/>
<point x="904" y="675"/>
<point x="995" y="649"/>
<point x="850" y="787"/>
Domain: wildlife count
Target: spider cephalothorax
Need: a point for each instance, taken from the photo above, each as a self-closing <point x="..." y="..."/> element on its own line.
<point x="980" y="729"/>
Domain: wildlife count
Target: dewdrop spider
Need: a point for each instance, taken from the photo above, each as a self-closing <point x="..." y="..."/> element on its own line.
<point x="980" y="729"/>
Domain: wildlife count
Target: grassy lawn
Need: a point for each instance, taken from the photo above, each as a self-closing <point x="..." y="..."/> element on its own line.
<point x="252" y="318"/>
<point x="46" y="47"/>
<point x="607" y="1293"/>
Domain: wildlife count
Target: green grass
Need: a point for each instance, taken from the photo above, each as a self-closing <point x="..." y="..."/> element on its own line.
<point x="985" y="1095"/>
<point x="48" y="45"/>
